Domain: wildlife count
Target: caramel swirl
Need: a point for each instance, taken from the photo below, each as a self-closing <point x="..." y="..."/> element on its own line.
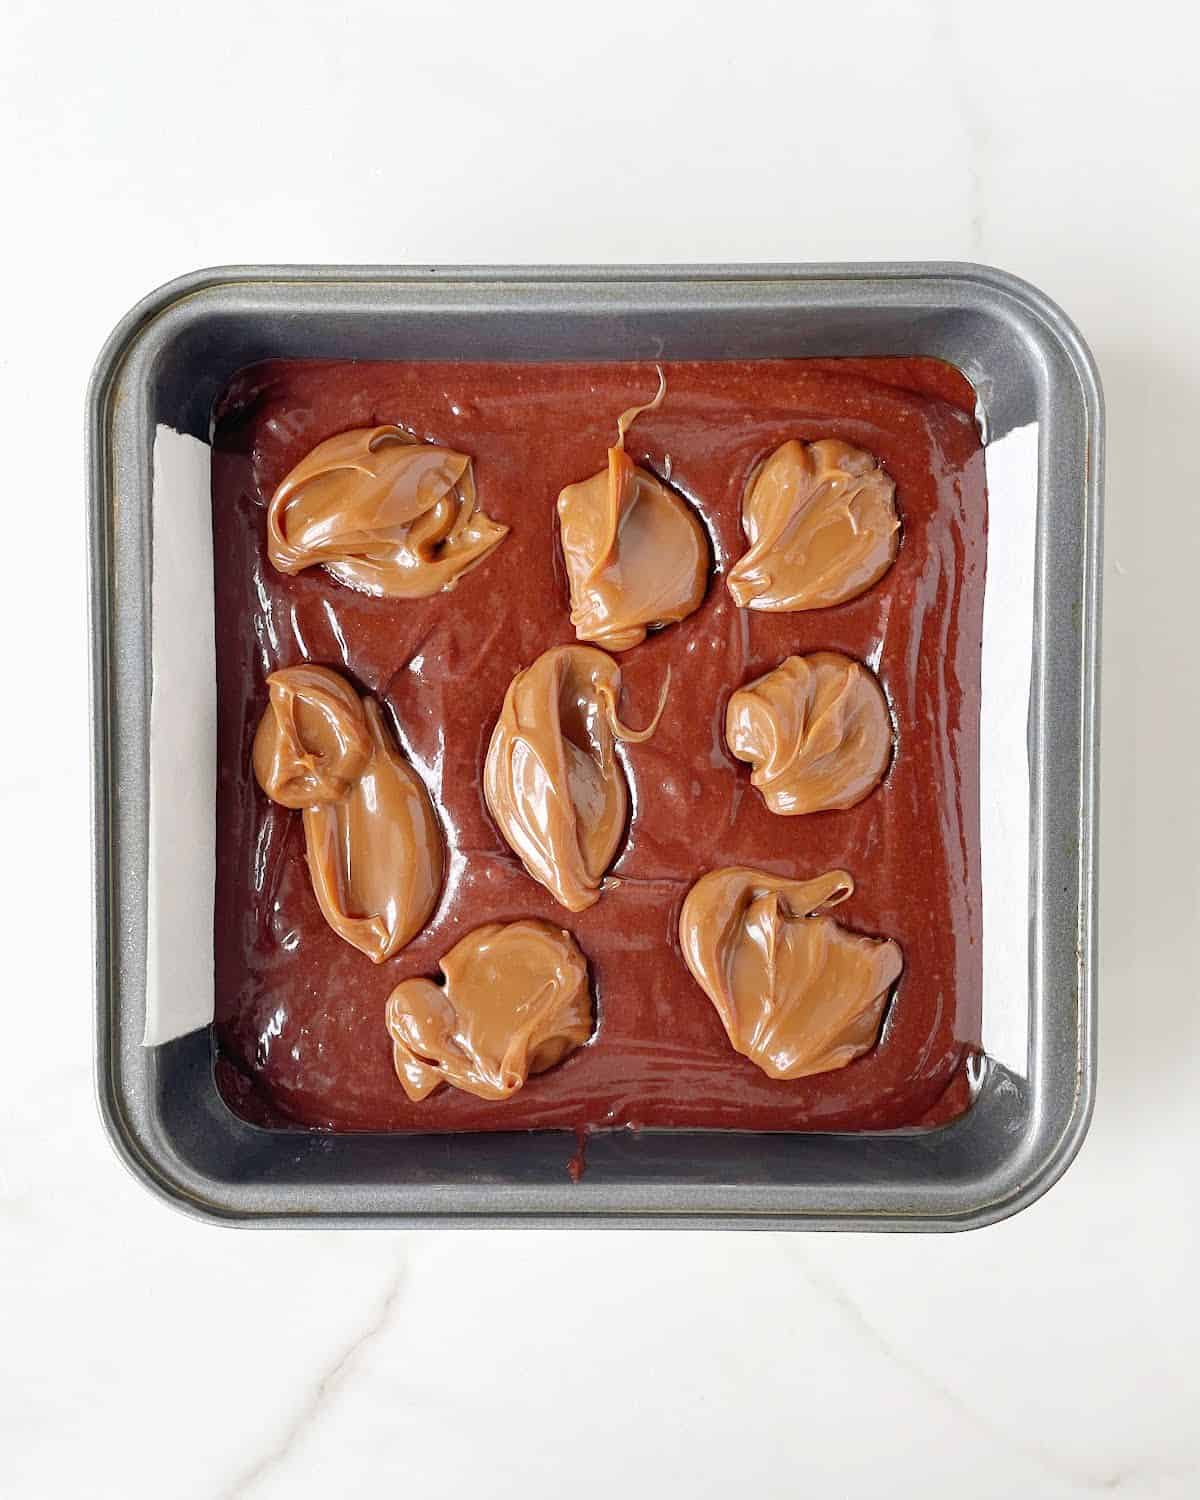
<point x="635" y="552"/>
<point x="373" y="844"/>
<point x="382" y="512"/>
<point x="313" y="742"/>
<point x="514" y="1002"/>
<point x="797" y="992"/>
<point x="551" y="779"/>
<point x="822" y="526"/>
<point x="815" y="729"/>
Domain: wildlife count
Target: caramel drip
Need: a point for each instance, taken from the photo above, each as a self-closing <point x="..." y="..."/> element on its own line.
<point x="796" y="991"/>
<point x="514" y="1002"/>
<point x="383" y="513"/>
<point x="635" y="552"/>
<point x="816" y="731"/>
<point x="822" y="526"/>
<point x="551" y="779"/>
<point x="373" y="843"/>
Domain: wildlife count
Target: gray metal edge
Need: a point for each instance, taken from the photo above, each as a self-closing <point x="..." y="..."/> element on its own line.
<point x="1028" y="1180"/>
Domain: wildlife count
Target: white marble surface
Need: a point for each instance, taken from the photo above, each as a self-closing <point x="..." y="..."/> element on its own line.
<point x="1054" y="1355"/>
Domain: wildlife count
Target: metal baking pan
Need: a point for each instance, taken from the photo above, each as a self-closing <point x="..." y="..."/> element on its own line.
<point x="166" y="361"/>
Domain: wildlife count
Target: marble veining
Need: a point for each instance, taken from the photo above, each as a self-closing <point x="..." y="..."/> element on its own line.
<point x="330" y="1382"/>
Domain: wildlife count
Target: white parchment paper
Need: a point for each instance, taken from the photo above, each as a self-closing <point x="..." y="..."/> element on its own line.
<point x="1011" y="464"/>
<point x="183" y="743"/>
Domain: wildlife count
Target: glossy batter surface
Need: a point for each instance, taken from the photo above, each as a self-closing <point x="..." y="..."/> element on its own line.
<point x="300" y="1014"/>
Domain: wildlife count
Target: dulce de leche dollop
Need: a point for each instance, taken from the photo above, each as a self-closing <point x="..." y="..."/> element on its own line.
<point x="382" y="512"/>
<point x="515" y="1001"/>
<point x="815" y="729"/>
<point x="822" y="526"/>
<point x="373" y="843"/>
<point x="797" y="992"/>
<point x="551" y="778"/>
<point x="635" y="551"/>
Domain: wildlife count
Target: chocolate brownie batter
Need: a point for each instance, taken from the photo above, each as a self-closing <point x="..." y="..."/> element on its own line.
<point x="300" y="1014"/>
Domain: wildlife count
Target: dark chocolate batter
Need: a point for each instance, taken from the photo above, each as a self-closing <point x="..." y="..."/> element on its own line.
<point x="300" y="1013"/>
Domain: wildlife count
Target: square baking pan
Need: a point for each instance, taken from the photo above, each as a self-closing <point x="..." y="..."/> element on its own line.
<point x="164" y="365"/>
